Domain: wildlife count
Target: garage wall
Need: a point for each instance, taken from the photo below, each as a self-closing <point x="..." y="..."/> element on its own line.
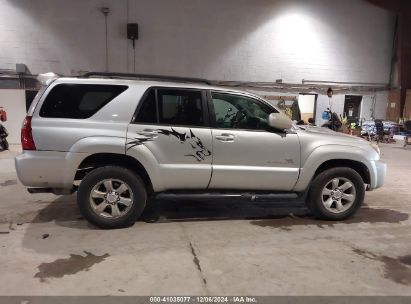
<point x="258" y="40"/>
<point x="14" y="102"/>
<point x="381" y="105"/>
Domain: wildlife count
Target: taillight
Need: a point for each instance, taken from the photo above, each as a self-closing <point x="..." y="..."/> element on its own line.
<point x="27" y="141"/>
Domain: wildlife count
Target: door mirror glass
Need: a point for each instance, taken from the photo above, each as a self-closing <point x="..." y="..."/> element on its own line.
<point x="279" y="121"/>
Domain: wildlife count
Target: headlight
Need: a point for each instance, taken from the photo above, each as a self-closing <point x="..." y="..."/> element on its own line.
<point x="376" y="148"/>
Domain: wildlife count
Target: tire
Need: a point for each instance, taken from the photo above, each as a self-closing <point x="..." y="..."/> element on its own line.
<point x="328" y="202"/>
<point x="111" y="197"/>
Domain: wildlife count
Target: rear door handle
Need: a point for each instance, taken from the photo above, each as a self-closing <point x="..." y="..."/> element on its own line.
<point x="148" y="133"/>
<point x="225" y="137"/>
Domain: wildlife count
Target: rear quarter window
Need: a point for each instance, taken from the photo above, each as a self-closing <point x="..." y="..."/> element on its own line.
<point x="78" y="101"/>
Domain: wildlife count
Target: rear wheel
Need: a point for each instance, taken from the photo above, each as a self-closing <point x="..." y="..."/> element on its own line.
<point x="336" y="194"/>
<point x="111" y="197"/>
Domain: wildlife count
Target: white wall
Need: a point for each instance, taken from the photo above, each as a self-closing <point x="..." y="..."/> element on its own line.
<point x="367" y="106"/>
<point x="381" y="105"/>
<point x="14" y="102"/>
<point x="259" y="40"/>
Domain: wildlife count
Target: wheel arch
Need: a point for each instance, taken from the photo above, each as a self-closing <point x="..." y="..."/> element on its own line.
<point x="358" y="166"/>
<point x="113" y="159"/>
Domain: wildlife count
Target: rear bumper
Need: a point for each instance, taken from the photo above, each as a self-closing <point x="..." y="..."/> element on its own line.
<point x="378" y="173"/>
<point x="48" y="169"/>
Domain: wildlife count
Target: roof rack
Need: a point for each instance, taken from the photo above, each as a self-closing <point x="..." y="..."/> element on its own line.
<point x="145" y="77"/>
<point x="260" y="86"/>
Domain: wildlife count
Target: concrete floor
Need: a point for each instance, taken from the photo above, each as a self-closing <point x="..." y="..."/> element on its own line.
<point x="220" y="247"/>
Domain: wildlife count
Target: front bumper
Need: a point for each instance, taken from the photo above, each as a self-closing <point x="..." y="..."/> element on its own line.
<point x="377" y="174"/>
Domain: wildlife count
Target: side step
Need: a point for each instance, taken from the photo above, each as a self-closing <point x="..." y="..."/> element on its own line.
<point x="218" y="195"/>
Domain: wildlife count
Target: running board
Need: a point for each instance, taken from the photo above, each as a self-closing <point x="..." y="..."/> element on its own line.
<point x="217" y="195"/>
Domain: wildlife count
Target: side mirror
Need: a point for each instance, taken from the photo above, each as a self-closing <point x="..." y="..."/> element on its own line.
<point x="279" y="121"/>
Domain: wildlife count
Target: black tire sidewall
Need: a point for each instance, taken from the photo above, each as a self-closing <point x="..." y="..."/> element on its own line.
<point x="112" y="172"/>
<point x="314" y="202"/>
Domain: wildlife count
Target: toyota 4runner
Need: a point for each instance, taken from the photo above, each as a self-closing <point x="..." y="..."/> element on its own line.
<point x="118" y="139"/>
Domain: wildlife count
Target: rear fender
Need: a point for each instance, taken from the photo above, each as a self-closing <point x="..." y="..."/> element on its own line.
<point x="96" y="144"/>
<point x="150" y="163"/>
<point x="117" y="145"/>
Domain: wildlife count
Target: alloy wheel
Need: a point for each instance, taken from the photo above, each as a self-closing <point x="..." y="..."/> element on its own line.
<point x="338" y="195"/>
<point x="111" y="198"/>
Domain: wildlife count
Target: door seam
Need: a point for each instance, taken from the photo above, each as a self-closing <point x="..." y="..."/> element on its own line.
<point x="212" y="158"/>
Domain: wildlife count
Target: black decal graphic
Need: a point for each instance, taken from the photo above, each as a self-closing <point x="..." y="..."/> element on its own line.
<point x="137" y="142"/>
<point x="180" y="136"/>
<point x="200" y="151"/>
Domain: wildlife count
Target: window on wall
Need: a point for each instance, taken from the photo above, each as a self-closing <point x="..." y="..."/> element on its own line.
<point x="240" y="112"/>
<point x="78" y="101"/>
<point x="175" y="107"/>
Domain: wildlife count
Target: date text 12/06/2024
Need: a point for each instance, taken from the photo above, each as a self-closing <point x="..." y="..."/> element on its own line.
<point x="203" y="299"/>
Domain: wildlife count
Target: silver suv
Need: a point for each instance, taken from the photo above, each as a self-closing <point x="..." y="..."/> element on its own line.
<point x="120" y="141"/>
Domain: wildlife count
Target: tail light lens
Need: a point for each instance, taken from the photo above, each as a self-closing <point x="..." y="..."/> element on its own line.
<point x="27" y="141"/>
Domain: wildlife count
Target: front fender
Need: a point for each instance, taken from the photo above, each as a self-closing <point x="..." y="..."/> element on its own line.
<point x="321" y="154"/>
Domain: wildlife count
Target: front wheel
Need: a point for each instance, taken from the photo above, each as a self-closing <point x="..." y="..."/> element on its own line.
<point x="111" y="197"/>
<point x="336" y="194"/>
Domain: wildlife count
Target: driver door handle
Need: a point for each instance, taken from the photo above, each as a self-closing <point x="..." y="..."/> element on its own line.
<point x="148" y="133"/>
<point x="225" y="137"/>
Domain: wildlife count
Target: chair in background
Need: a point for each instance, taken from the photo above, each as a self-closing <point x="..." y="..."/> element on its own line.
<point x="380" y="135"/>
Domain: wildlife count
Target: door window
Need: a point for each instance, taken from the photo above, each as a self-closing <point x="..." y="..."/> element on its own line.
<point x="175" y="107"/>
<point x="180" y="107"/>
<point x="240" y="112"/>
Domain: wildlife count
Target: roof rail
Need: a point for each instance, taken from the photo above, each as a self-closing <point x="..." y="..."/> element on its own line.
<point x="144" y="76"/>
